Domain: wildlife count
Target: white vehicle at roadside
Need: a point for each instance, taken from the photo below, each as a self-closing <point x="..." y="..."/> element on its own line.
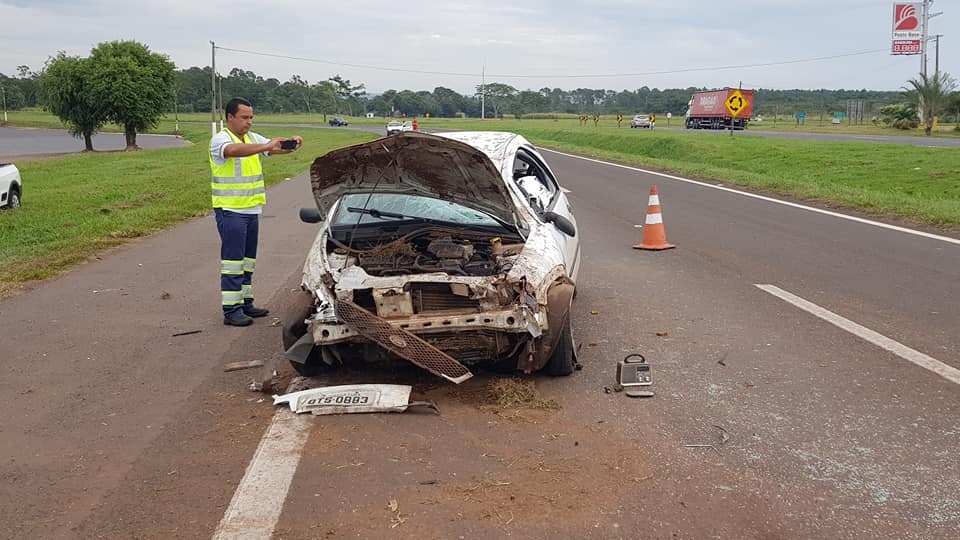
<point x="11" y="189"/>
<point x="641" y="121"/>
<point x="394" y="127"/>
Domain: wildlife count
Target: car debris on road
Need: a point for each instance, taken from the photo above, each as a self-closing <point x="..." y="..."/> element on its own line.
<point x="353" y="398"/>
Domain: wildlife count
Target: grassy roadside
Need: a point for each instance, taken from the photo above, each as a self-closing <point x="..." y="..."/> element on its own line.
<point x="201" y="121"/>
<point x="917" y="183"/>
<point x="78" y="205"/>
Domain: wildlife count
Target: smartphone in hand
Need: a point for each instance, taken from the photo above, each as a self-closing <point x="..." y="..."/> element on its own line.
<point x="289" y="144"/>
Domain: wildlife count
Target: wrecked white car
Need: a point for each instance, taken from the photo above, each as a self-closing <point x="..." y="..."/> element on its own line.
<point x="453" y="252"/>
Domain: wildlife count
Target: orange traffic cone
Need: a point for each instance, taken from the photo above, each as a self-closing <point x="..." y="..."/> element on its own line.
<point x="654" y="237"/>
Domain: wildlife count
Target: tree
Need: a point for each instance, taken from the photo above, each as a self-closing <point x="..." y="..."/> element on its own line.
<point x="955" y="107"/>
<point x="899" y="115"/>
<point x="194" y="84"/>
<point x="12" y="95"/>
<point x="409" y="103"/>
<point x="496" y="94"/>
<point x="529" y="101"/>
<point x="132" y="85"/>
<point x="324" y="97"/>
<point x="347" y="92"/>
<point x="930" y="94"/>
<point x="65" y="91"/>
<point x="449" y="101"/>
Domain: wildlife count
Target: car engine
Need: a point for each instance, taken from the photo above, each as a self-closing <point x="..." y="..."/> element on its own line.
<point x="430" y="254"/>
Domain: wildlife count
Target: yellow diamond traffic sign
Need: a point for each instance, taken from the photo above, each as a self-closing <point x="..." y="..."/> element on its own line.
<point x="735" y="103"/>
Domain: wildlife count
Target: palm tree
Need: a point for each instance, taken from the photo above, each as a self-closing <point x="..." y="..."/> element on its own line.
<point x="929" y="94"/>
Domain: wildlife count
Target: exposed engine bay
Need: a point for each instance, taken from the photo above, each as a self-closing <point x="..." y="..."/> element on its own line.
<point x="432" y="249"/>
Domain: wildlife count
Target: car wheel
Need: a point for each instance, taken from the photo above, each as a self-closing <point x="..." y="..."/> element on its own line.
<point x="564" y="358"/>
<point x="14" y="199"/>
<point x="313" y="367"/>
<point x="294" y="328"/>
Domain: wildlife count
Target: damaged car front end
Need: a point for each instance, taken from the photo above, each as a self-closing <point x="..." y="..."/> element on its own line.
<point x="440" y="250"/>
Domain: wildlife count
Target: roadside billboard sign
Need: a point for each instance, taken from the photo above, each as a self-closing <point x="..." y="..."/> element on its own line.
<point x="907" y="32"/>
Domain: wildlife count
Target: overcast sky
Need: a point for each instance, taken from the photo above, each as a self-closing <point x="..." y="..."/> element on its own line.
<point x="613" y="44"/>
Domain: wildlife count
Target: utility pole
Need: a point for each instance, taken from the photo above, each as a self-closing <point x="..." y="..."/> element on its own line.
<point x="213" y="89"/>
<point x="3" y="92"/>
<point x="936" y="61"/>
<point x="924" y="38"/>
<point x="220" y="100"/>
<point x="483" y="91"/>
<point x="924" y="22"/>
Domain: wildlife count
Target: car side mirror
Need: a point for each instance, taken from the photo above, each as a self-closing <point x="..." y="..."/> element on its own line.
<point x="310" y="215"/>
<point x="563" y="224"/>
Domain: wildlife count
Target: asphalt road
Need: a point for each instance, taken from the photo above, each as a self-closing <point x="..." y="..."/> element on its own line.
<point x="768" y="421"/>
<point x="31" y="141"/>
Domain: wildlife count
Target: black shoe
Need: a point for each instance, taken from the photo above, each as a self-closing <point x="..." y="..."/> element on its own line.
<point x="237" y="319"/>
<point x="253" y="311"/>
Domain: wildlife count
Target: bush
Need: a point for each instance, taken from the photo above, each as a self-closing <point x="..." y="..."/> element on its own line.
<point x="549" y="116"/>
<point x="906" y="124"/>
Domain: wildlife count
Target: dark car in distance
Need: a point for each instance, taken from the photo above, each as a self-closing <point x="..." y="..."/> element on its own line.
<point x="337" y="121"/>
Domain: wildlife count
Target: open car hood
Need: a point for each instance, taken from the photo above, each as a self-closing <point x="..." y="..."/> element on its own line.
<point x="413" y="163"/>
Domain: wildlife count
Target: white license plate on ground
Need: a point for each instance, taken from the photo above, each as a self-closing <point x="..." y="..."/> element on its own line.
<point x="356" y="398"/>
<point x="342" y="399"/>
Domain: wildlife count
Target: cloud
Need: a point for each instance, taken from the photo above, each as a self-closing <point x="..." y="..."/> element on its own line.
<point x="531" y="44"/>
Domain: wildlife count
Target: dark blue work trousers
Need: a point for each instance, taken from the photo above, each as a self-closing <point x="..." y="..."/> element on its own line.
<point x="238" y="256"/>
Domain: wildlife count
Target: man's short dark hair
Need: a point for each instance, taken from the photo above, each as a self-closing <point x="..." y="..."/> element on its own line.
<point x="234" y="104"/>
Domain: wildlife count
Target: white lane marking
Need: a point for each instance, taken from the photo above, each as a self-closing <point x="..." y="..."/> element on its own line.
<point x="256" y="505"/>
<point x="768" y="199"/>
<point x="927" y="362"/>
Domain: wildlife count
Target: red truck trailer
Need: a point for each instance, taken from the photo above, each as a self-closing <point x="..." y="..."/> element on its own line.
<point x="720" y="109"/>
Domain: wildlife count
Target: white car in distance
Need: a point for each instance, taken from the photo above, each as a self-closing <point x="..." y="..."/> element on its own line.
<point x="11" y="189"/>
<point x="394" y="127"/>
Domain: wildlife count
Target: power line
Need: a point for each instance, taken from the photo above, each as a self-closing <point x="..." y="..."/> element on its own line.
<point x="566" y="76"/>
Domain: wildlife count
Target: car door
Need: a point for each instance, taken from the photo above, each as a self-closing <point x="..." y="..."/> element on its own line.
<point x="548" y="197"/>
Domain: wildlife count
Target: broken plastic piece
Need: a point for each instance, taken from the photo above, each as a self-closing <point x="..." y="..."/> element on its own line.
<point x="639" y="393"/>
<point x="353" y="398"/>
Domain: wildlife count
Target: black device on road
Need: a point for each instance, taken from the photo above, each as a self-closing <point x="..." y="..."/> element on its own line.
<point x="634" y="371"/>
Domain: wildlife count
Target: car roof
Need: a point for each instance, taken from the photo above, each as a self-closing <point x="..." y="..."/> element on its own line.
<point x="499" y="146"/>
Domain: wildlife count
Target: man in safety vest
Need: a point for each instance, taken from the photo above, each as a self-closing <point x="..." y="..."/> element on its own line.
<point x="239" y="195"/>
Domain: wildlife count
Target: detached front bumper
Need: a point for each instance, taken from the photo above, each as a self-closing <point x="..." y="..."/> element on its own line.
<point x="514" y="320"/>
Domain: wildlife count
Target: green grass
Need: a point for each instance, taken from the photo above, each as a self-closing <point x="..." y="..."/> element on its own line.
<point x="78" y="205"/>
<point x="913" y="182"/>
<point x="201" y="122"/>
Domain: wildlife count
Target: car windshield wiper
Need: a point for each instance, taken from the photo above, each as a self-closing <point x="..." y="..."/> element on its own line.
<point x="377" y="213"/>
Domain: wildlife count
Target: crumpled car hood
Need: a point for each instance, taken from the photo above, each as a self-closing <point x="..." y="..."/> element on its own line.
<point x="414" y="164"/>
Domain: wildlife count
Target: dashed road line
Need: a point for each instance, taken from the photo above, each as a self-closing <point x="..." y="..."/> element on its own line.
<point x="256" y="505"/>
<point x="927" y="362"/>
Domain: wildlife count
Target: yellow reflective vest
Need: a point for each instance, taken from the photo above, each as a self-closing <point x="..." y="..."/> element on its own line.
<point x="238" y="183"/>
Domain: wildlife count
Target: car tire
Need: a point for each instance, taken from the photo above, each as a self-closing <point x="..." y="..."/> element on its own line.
<point x="13" y="200"/>
<point x="294" y="328"/>
<point x="312" y="368"/>
<point x="564" y="358"/>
